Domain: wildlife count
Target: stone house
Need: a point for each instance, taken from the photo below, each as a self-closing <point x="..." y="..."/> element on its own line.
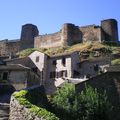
<point x="18" y="76"/>
<point x="25" y="61"/>
<point x="54" y="69"/>
<point x="93" y="67"/>
<point x="39" y="60"/>
<point x="64" y="65"/>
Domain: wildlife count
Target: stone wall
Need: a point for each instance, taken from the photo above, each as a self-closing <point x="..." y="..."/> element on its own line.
<point x="48" y="41"/>
<point x="36" y="101"/>
<point x="20" y="112"/>
<point x="91" y="33"/>
<point x="71" y="34"/>
<point x="9" y="48"/>
<point x="68" y="35"/>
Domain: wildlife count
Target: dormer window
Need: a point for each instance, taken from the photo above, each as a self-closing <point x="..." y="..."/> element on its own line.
<point x="37" y="59"/>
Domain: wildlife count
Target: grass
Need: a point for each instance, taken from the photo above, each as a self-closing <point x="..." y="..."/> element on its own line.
<point x="81" y="47"/>
<point x="116" y="62"/>
<point x="28" y="51"/>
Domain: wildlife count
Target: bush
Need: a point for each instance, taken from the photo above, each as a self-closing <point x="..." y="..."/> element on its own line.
<point x="87" y="105"/>
<point x="116" y="62"/>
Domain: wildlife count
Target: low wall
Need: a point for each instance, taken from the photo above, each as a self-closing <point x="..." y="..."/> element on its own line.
<point x="20" y="112"/>
<point x="30" y="104"/>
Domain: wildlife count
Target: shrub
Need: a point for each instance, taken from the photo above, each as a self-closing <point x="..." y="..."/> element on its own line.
<point x="87" y="105"/>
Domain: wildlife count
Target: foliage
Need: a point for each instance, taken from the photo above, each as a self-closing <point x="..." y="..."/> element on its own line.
<point x="93" y="105"/>
<point x="116" y="62"/>
<point x="62" y="101"/>
<point x="87" y="105"/>
<point x="39" y="111"/>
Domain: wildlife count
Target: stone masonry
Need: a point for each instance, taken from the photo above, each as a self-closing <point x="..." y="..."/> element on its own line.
<point x="22" y="112"/>
<point x="9" y="48"/>
<point x="71" y="34"/>
<point x="68" y="35"/>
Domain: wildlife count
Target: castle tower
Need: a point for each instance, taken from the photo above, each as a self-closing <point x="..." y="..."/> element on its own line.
<point x="109" y="30"/>
<point x="29" y="31"/>
<point x="70" y="34"/>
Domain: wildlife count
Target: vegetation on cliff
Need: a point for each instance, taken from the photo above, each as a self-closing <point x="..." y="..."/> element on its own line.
<point x="82" y="47"/>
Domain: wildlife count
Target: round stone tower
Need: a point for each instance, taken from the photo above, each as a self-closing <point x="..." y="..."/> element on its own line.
<point x="109" y="30"/>
<point x="29" y="31"/>
<point x="70" y="34"/>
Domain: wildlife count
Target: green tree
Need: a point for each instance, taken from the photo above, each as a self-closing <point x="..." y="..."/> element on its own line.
<point x="87" y="105"/>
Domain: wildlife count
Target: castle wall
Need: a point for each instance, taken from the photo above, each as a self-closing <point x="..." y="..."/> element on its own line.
<point x="91" y="33"/>
<point x="48" y="41"/>
<point x="68" y="35"/>
<point x="9" y="48"/>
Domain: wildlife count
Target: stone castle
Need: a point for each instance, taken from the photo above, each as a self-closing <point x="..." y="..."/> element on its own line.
<point x="68" y="35"/>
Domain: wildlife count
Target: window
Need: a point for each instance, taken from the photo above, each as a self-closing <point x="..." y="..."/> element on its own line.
<point x="5" y="75"/>
<point x="37" y="59"/>
<point x="63" y="61"/>
<point x="52" y="74"/>
<point x="54" y="62"/>
<point x="96" y="67"/>
<point x="0" y="75"/>
<point x="63" y="73"/>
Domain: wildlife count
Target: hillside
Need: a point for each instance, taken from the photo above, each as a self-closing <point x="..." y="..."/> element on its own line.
<point x="86" y="48"/>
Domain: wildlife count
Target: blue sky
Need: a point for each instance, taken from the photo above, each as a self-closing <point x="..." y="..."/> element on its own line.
<point x="50" y="15"/>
